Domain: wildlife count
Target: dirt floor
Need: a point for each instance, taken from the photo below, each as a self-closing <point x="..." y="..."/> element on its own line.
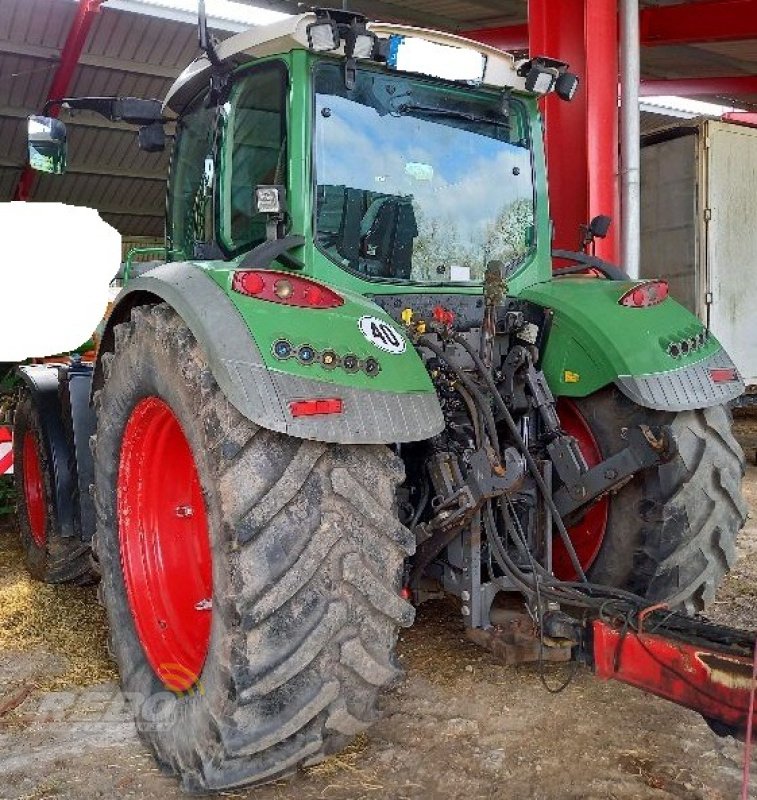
<point x="460" y="726"/>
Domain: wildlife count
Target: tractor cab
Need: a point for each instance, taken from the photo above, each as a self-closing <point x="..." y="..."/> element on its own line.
<point x="378" y="144"/>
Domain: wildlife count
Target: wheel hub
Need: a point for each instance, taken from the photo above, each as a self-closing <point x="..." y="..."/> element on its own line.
<point x="164" y="544"/>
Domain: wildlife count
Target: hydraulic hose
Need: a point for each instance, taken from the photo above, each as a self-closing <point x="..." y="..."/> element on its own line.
<point x="578" y="593"/>
<point x="532" y="465"/>
<point x="491" y="425"/>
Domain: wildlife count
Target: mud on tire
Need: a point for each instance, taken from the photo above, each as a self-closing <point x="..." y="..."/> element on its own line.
<point x="671" y="531"/>
<point x="308" y="556"/>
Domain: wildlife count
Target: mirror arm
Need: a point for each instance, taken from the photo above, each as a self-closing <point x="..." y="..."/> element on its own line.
<point x="133" y="111"/>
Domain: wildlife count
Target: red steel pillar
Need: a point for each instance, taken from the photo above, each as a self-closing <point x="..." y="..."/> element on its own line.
<point x="581" y="136"/>
<point x="64" y="73"/>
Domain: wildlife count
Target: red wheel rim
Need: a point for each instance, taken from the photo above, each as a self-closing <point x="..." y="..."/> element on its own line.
<point x="588" y="533"/>
<point x="165" y="544"/>
<point x="34" y="490"/>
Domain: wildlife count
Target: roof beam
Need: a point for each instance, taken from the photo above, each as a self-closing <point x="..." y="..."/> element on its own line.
<point x="372" y="8"/>
<point x="115" y="211"/>
<point x="104" y="172"/>
<point x="489" y="5"/>
<point x="743" y="118"/>
<point x="683" y="23"/>
<point x="375" y="8"/>
<point x="217" y="23"/>
<point x="708" y="21"/>
<point x="87" y="60"/>
<point x="698" y="87"/>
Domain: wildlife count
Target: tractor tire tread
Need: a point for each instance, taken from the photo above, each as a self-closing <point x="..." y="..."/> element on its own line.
<point x="315" y="554"/>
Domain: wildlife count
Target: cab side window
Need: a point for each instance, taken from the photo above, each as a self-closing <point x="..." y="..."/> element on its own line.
<point x="255" y="153"/>
<point x="191" y="211"/>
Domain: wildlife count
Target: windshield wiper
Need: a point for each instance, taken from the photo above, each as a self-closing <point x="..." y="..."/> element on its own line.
<point x="450" y="112"/>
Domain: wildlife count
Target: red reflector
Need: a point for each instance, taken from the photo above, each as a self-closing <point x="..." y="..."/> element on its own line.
<point x="313" y="408"/>
<point x="725" y="375"/>
<point x="285" y="288"/>
<point x="645" y="295"/>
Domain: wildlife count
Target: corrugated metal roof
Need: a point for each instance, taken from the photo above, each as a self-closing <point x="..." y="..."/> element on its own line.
<point x="131" y="54"/>
<point x="126" y="54"/>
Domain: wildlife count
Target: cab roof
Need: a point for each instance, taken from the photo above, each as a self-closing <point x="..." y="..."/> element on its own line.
<point x="291" y="34"/>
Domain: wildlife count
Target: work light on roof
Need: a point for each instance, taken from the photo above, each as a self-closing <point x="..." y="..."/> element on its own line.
<point x="566" y="86"/>
<point x="545" y="74"/>
<point x="359" y="42"/>
<point x="332" y="27"/>
<point x="323" y="35"/>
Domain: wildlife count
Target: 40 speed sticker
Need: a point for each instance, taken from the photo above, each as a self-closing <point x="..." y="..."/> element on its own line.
<point x="382" y="334"/>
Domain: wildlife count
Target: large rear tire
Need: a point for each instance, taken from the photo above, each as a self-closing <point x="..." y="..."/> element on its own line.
<point x="670" y="532"/>
<point x="307" y="560"/>
<point x="50" y="557"/>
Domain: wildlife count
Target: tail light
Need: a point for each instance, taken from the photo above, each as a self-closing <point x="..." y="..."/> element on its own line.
<point x="285" y="288"/>
<point x="316" y="407"/>
<point x="724" y="375"/>
<point x="645" y="295"/>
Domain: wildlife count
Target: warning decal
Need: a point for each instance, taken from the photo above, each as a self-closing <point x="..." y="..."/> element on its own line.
<point x="382" y="335"/>
<point x="6" y="450"/>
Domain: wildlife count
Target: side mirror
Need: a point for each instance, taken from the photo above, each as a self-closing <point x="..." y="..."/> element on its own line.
<point x="46" y="138"/>
<point x="600" y="226"/>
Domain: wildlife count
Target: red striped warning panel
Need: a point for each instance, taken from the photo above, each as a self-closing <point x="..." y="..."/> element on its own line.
<point x="6" y="450"/>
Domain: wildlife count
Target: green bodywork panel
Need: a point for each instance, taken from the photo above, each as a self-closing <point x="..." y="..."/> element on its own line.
<point x="327" y="329"/>
<point x="594" y="339"/>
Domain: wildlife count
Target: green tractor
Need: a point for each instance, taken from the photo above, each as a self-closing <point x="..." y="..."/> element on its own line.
<point x="357" y="382"/>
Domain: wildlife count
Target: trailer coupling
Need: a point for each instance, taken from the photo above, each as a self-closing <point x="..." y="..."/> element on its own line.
<point x="705" y="667"/>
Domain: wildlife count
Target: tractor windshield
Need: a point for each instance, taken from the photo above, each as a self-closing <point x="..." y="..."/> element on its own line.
<point x="417" y="181"/>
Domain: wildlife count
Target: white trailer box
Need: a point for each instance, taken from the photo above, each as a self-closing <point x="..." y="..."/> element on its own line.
<point x="699" y="228"/>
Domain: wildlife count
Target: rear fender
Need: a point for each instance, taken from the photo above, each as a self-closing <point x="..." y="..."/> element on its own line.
<point x="594" y="342"/>
<point x="60" y="395"/>
<point x="232" y="343"/>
